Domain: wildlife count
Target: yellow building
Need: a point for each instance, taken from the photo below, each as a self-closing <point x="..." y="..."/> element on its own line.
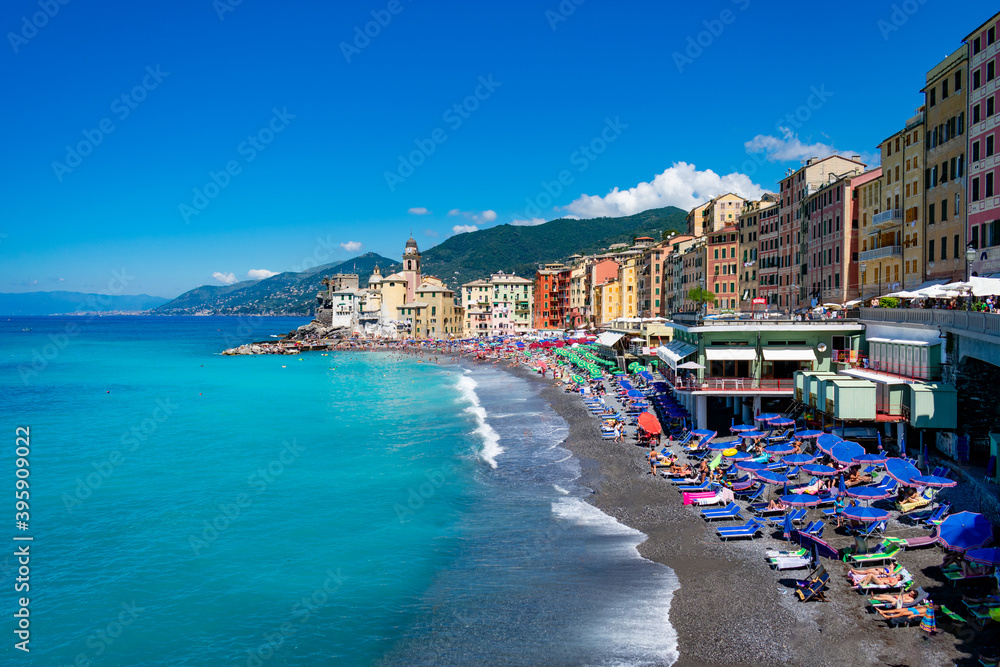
<point x="628" y="286"/>
<point x="433" y="314"/>
<point x="715" y="214"/>
<point x="881" y="234"/>
<point x="607" y="302"/>
<point x="903" y="199"/>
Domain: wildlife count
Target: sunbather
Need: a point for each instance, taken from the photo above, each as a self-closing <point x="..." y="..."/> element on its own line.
<point x="775" y="505"/>
<point x="903" y="598"/>
<point x="812" y="489"/>
<point x="924" y="612"/>
<point x="879" y="576"/>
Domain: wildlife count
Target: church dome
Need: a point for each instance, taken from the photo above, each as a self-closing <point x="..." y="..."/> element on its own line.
<point x="411" y="243"/>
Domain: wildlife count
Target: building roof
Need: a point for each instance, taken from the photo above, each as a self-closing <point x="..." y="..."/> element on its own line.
<point x="413" y="304"/>
<point x="477" y="283"/>
<point x="411" y="243"/>
<point x="982" y="25"/>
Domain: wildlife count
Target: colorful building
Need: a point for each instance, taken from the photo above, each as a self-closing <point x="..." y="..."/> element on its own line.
<point x="551" y="296"/>
<point x="946" y="103"/>
<point x="880" y="259"/>
<point x="722" y="268"/>
<point x="500" y="306"/>
<point x="756" y="215"/>
<point x="984" y="161"/>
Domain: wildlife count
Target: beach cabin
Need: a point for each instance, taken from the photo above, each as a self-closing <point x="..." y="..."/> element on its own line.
<point x="911" y="358"/>
<point x="850" y="399"/>
<point x="933" y="405"/>
<point x="812" y="389"/>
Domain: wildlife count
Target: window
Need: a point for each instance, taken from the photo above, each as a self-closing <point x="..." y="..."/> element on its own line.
<point x="975" y="113"/>
<point x="944" y="210"/>
<point x="976" y="81"/>
<point x="991" y="70"/>
<point x="989" y="145"/>
<point x="991" y="35"/>
<point x="933" y="96"/>
<point x="976" y="46"/>
<point x="975" y="151"/>
<point x="930" y="215"/>
<point x="944" y="247"/>
<point x="944" y="89"/>
<point x="989" y="184"/>
<point x="975" y="189"/>
<point x="956" y="204"/>
<point x="955" y="246"/>
<point x="958" y="81"/>
<point x="989" y="107"/>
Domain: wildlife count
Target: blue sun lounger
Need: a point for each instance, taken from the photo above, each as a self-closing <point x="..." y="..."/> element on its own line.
<point x="730" y="511"/>
<point x="749" y="529"/>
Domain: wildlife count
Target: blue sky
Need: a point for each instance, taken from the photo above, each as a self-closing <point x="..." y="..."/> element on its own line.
<point x="211" y="139"/>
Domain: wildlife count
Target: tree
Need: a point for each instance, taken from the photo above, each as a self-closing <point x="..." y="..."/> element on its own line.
<point x="700" y="296"/>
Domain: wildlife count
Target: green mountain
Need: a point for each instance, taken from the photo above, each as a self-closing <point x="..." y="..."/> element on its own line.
<point x="58" y="303"/>
<point x="457" y="260"/>
<point x="520" y="249"/>
<point x="285" y="293"/>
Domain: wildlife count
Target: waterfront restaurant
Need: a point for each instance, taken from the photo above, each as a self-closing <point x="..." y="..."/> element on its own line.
<point x="745" y="367"/>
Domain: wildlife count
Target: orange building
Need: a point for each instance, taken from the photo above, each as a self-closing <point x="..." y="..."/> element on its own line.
<point x="552" y="283"/>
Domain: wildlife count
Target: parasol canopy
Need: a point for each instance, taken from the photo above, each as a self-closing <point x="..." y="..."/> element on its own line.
<point x="902" y="471"/>
<point x="767" y="416"/>
<point x="866" y="514"/>
<point x="964" y="531"/>
<point x="782" y="422"/>
<point x="844" y="452"/>
<point x="868" y="493"/>
<point x="808" y="434"/>
<point x="800" y="500"/>
<point x="871" y="459"/>
<point x="751" y="466"/>
<point x="649" y="423"/>
<point x="770" y="477"/>
<point x="742" y="428"/>
<point x="990" y="556"/>
<point x="798" y="459"/>
<point x="826" y="442"/>
<point x="779" y="450"/>
<point x="819" y="469"/>
<point x="934" y="481"/>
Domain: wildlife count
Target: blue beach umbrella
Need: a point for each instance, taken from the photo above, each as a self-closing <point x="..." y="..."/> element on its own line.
<point x="634" y="394"/>
<point x="819" y="469"/>
<point x="868" y="493"/>
<point x="802" y="435"/>
<point x="826" y="442"/>
<point x="934" y="481"/>
<point x="844" y="452"/>
<point x="902" y="471"/>
<point x="721" y="446"/>
<point x="842" y="487"/>
<point x="787" y="528"/>
<point x="989" y="556"/>
<point x="740" y="456"/>
<point x="798" y="459"/>
<point x="782" y="422"/>
<point x="770" y="477"/>
<point x="964" y="531"/>
<point x="742" y="428"/>
<point x="800" y="500"/>
<point x="767" y="416"/>
<point x="866" y="514"/>
<point x="751" y="466"/>
<point x="871" y="459"/>
<point x="752" y="435"/>
<point x="779" y="450"/>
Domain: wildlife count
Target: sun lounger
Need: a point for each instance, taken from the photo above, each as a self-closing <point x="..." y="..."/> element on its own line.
<point x="874" y="558"/>
<point x="814" y="590"/>
<point x="921" y="595"/>
<point x="910" y="617"/>
<point x="762" y="510"/>
<point x="816" y="575"/>
<point x="815" y="528"/>
<point x="704" y="486"/>
<point x="689" y="497"/>
<point x="956" y="575"/>
<point x="905" y="579"/>
<point x="771" y="553"/>
<point x="749" y="529"/>
<point x="730" y="511"/>
<point x="797" y="514"/>
<point x="952" y="616"/>
<point x="790" y="562"/>
<point x="922" y="541"/>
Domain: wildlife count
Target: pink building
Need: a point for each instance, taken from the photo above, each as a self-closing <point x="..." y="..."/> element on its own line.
<point x="984" y="160"/>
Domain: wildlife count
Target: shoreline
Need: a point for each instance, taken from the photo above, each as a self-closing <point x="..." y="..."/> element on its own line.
<point x="731" y="608"/>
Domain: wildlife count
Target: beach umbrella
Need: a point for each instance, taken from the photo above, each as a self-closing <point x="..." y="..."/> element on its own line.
<point x="767" y="416"/>
<point x="990" y="556"/>
<point x="737" y="455"/>
<point x="720" y="446"/>
<point x="844" y="452"/>
<point x="649" y="423"/>
<point x="866" y="514"/>
<point x="934" y="481"/>
<point x="819" y="469"/>
<point x="800" y="500"/>
<point x="577" y="379"/>
<point x="964" y="531"/>
<point x="701" y="433"/>
<point x="779" y="449"/>
<point x="842" y="487"/>
<point x="798" y="459"/>
<point x="871" y="459"/>
<point x="787" y="528"/>
<point x="742" y="428"/>
<point x="868" y="493"/>
<point x="750" y="466"/>
<point x="782" y="422"/>
<point x="826" y="442"/>
<point x="770" y="477"/>
<point x="808" y="434"/>
<point x="634" y="394"/>
<point x="902" y="471"/>
<point x="752" y="435"/>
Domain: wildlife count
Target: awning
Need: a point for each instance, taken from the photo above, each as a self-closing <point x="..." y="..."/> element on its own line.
<point x="930" y="283"/>
<point x="674" y="351"/>
<point x="730" y="353"/>
<point x="608" y="339"/>
<point x="875" y="377"/>
<point x="789" y="354"/>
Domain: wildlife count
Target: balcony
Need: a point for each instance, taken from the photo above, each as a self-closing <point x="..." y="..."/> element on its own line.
<point x="879" y="253"/>
<point x="887" y="219"/>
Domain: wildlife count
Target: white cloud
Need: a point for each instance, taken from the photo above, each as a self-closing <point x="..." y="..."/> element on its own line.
<point x="529" y="223"/>
<point x="681" y="185"/>
<point x="418" y="210"/>
<point x="462" y="229"/>
<point x="789" y="148"/>
<point x="260" y="274"/>
<point x="225" y="278"/>
<point x="488" y="215"/>
<point x="351" y="246"/>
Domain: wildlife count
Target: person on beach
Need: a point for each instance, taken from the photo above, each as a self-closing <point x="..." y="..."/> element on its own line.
<point x="776" y="505"/>
<point x="703" y="471"/>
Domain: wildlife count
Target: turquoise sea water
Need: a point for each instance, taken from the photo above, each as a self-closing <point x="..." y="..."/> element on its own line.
<point x="194" y="509"/>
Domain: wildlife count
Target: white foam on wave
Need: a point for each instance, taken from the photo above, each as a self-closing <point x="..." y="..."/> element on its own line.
<point x="466" y="386"/>
<point x="560" y="489"/>
<point x="628" y="624"/>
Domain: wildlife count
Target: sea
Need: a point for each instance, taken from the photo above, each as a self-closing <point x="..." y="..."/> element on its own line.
<point x="189" y="508"/>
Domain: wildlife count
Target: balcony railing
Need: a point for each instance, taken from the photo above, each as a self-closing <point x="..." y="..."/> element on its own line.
<point x="962" y="320"/>
<point x="890" y="217"/>
<point x="879" y="253"/>
<point x="714" y="384"/>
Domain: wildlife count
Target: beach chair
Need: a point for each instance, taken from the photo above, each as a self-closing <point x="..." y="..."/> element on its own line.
<point x="695" y="488"/>
<point x="790" y="562"/>
<point x="904" y="580"/>
<point x="924" y="616"/>
<point x="955" y="575"/>
<point x="771" y="553"/>
<point x="928" y="515"/>
<point x="752" y="493"/>
<point x="815" y="529"/>
<point x="749" y="529"/>
<point x="814" y="590"/>
<point x="920" y="542"/>
<point x="761" y="509"/>
<point x="921" y="595"/>
<point x="798" y="514"/>
<point x="815" y="575"/>
<point x="730" y="511"/>
<point x="888" y="555"/>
